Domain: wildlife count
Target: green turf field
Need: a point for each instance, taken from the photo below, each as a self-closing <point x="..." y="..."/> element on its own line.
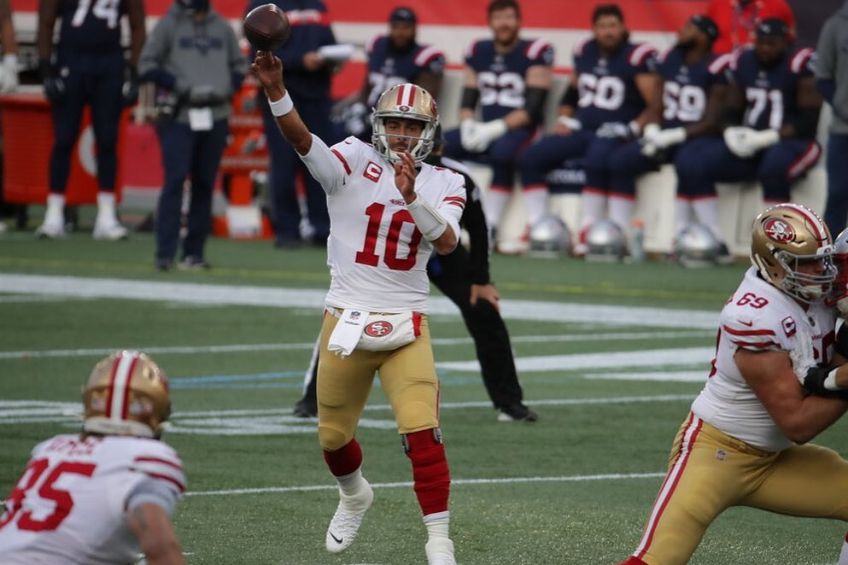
<point x="611" y="389"/>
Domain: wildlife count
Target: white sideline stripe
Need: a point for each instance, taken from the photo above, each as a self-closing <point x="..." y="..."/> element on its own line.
<point x="454" y="482"/>
<point x="234" y="295"/>
<point x="687" y="356"/>
<point x="671" y="376"/>
<point x="253" y="347"/>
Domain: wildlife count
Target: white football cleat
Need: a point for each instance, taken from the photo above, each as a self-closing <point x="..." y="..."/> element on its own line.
<point x="110" y="231"/>
<point x="439" y="551"/>
<point x="51" y="229"/>
<point x="348" y="517"/>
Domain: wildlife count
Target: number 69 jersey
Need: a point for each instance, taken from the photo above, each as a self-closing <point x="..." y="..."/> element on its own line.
<point x="376" y="254"/>
<point x="70" y="503"/>
<point x="758" y="317"/>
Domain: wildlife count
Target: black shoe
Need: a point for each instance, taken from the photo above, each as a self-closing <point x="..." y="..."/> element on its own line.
<point x="163" y="265"/>
<point x="306" y="408"/>
<point x="287" y="243"/>
<point x="193" y="263"/>
<point x="515" y="413"/>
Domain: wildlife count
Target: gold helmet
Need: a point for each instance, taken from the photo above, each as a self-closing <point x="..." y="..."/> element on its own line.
<point x="787" y="237"/>
<point x="126" y="394"/>
<point x="408" y="101"/>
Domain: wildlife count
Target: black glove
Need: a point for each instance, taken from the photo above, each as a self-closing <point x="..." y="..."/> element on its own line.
<point x="814" y="381"/>
<point x="54" y="85"/>
<point x="129" y="90"/>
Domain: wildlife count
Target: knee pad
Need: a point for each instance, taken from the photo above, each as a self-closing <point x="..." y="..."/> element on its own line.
<point x="331" y="438"/>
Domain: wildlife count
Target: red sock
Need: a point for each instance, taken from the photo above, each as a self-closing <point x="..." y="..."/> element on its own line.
<point x="346" y="460"/>
<point x="429" y="471"/>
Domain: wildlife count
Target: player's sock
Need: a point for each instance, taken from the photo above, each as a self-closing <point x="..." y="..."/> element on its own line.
<point x="438" y="524"/>
<point x="843" y="555"/>
<point x="592" y="206"/>
<point x="55" y="208"/>
<point x="106" y="207"/>
<point x="621" y="210"/>
<point x="430" y="472"/>
<point x="346" y="465"/>
<point x="536" y="201"/>
<point x="682" y="215"/>
<point x="494" y="204"/>
<point x="706" y="211"/>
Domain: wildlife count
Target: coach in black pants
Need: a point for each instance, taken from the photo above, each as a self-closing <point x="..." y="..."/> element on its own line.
<point x="463" y="276"/>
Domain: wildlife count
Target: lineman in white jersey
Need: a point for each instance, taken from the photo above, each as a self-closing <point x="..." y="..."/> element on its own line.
<point x="107" y="494"/>
<point x="744" y="442"/>
<point x="388" y="212"/>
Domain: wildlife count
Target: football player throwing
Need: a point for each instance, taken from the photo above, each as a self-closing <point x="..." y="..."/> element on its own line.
<point x="388" y="211"/>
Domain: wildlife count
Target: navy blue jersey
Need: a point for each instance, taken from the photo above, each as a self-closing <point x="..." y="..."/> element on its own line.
<point x="502" y="77"/>
<point x="310" y="30"/>
<point x="388" y="67"/>
<point x="686" y="88"/>
<point x="91" y="26"/>
<point x="606" y="85"/>
<point x="771" y="94"/>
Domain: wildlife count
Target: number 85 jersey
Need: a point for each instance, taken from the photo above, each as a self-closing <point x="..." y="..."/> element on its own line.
<point x="70" y="504"/>
<point x="376" y="254"/>
<point x="758" y="317"/>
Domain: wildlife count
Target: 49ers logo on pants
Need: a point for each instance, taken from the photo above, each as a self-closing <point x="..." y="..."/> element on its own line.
<point x="379" y="328"/>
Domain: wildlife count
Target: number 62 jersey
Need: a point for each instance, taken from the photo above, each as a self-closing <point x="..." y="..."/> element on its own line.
<point x="376" y="254"/>
<point x="758" y="317"/>
<point x="70" y="504"/>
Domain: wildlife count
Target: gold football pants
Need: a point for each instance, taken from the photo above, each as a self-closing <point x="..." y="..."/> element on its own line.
<point x="710" y="471"/>
<point x="407" y="375"/>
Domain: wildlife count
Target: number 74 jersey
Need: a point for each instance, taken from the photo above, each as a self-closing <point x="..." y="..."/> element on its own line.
<point x="376" y="254"/>
<point x="758" y="317"/>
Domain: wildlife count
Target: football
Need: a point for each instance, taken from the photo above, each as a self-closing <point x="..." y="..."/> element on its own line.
<point x="266" y="27"/>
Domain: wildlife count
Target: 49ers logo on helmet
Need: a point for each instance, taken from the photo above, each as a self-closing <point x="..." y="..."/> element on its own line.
<point x="778" y="230"/>
<point x="380" y="328"/>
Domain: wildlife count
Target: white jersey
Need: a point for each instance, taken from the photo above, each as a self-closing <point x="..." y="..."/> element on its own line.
<point x="376" y="254"/>
<point x="758" y="317"/>
<point x="70" y="504"/>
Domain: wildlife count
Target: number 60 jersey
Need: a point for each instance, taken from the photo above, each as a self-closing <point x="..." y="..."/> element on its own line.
<point x="69" y="506"/>
<point x="758" y="317"/>
<point x="376" y="254"/>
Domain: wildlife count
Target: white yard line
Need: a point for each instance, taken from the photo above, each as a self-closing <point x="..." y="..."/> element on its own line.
<point x="33" y="411"/>
<point x="685" y="356"/>
<point x="454" y="482"/>
<point x="235" y="295"/>
<point x="255" y="347"/>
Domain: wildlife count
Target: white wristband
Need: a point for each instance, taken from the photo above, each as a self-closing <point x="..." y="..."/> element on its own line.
<point x="430" y="223"/>
<point x="282" y="106"/>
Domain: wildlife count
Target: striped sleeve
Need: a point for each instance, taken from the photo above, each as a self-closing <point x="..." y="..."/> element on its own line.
<point x="164" y="467"/>
<point x="643" y="58"/>
<point x="540" y="52"/>
<point x="750" y="335"/>
<point x="430" y="59"/>
<point x="802" y="62"/>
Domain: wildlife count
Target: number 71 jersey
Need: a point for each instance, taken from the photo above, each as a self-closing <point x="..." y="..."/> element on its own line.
<point x="758" y="317"/>
<point x="376" y="254"/>
<point x="70" y="504"/>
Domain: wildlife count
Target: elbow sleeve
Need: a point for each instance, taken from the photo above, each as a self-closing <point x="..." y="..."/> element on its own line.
<point x="470" y="96"/>
<point x="534" y="103"/>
